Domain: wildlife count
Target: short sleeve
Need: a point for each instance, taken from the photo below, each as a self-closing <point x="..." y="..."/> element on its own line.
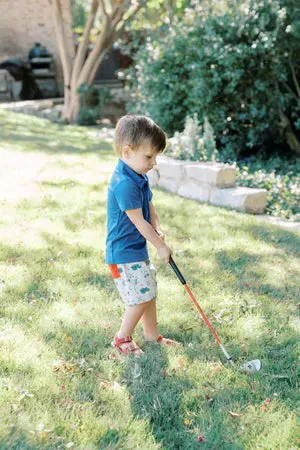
<point x="128" y="196"/>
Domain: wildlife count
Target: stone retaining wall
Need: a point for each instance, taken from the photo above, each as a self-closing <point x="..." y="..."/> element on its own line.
<point x="209" y="182"/>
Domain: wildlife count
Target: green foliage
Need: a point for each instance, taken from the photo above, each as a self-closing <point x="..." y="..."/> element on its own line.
<point x="155" y="14"/>
<point x="79" y="12"/>
<point x="92" y="101"/>
<point x="282" y="184"/>
<point x="239" y="68"/>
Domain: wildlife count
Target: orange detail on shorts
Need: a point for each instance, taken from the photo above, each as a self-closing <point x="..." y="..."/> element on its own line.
<point x="114" y="270"/>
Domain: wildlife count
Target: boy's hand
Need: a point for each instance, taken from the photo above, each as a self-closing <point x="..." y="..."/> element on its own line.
<point x="164" y="253"/>
<point x="160" y="234"/>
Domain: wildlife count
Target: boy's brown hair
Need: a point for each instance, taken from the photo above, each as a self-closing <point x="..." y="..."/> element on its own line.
<point x="134" y="129"/>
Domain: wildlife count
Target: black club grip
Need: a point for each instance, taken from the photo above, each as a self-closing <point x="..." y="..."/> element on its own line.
<point x="176" y="270"/>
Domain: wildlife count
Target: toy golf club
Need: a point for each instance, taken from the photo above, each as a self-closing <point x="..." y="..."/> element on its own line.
<point x="250" y="366"/>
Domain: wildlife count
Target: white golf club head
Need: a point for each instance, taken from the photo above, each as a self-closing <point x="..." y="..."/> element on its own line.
<point x="251" y="366"/>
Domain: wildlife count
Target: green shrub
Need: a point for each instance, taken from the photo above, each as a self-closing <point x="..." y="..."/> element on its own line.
<point x="238" y="68"/>
<point x="281" y="182"/>
<point x="92" y="102"/>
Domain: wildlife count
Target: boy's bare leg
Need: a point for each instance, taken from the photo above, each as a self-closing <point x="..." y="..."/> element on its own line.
<point x="149" y="321"/>
<point x="130" y="319"/>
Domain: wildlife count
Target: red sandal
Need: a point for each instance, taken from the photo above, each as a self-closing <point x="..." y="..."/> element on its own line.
<point x="166" y="341"/>
<point x="126" y="345"/>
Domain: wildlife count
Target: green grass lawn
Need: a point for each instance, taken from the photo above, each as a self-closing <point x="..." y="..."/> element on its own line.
<point x="61" y="383"/>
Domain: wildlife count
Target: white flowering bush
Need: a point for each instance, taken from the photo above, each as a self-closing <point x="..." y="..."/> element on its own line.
<point x="195" y="143"/>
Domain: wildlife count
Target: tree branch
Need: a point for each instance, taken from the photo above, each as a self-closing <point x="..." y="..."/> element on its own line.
<point x="83" y="46"/>
<point x="100" y="44"/>
<point x="294" y="77"/>
<point x="103" y="42"/>
<point x="133" y="12"/>
<point x="102" y="5"/>
<point x="61" y="41"/>
<point x="289" y="134"/>
<point x="289" y="89"/>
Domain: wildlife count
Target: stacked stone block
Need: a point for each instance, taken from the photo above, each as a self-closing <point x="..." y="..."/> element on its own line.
<point x="209" y="182"/>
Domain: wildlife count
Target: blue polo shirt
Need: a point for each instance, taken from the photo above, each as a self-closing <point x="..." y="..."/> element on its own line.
<point x="127" y="190"/>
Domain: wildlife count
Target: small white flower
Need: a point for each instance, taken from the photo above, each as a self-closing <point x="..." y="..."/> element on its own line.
<point x="282" y="13"/>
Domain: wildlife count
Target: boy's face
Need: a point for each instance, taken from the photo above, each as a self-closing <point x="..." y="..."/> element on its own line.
<point x="141" y="160"/>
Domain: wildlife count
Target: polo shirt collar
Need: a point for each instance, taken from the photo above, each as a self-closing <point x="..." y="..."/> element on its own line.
<point x="141" y="180"/>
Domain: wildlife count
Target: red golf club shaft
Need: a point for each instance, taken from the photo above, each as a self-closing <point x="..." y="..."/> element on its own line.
<point x="202" y="313"/>
<point x="182" y="280"/>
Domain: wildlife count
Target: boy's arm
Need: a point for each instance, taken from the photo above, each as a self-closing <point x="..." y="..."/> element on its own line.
<point x="155" y="221"/>
<point x="149" y="233"/>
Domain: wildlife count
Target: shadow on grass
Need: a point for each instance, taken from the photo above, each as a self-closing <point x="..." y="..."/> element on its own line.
<point x="157" y="398"/>
<point x="247" y="276"/>
<point x="16" y="440"/>
<point x="37" y="134"/>
<point x="42" y="261"/>
<point x="286" y="240"/>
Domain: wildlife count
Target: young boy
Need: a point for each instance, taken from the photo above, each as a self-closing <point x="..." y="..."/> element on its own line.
<point x="131" y="221"/>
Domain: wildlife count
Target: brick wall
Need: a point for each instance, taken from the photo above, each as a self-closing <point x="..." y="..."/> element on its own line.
<point x="24" y="22"/>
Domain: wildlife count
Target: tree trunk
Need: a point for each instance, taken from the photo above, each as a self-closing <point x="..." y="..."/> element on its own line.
<point x="288" y="134"/>
<point x="82" y="68"/>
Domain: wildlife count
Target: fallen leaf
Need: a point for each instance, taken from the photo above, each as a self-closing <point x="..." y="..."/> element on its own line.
<point x="180" y="362"/>
<point x="187" y="422"/>
<point x="105" y="384"/>
<point x="68" y="339"/>
<point x="24" y="393"/>
<point x="263" y="408"/>
<point x="244" y="348"/>
<point x="114" y="355"/>
<point x="234" y="414"/>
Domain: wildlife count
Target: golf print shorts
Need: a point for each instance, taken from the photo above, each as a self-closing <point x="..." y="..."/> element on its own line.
<point x="136" y="282"/>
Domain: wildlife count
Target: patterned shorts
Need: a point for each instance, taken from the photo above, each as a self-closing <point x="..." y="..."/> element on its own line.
<point x="136" y="282"/>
